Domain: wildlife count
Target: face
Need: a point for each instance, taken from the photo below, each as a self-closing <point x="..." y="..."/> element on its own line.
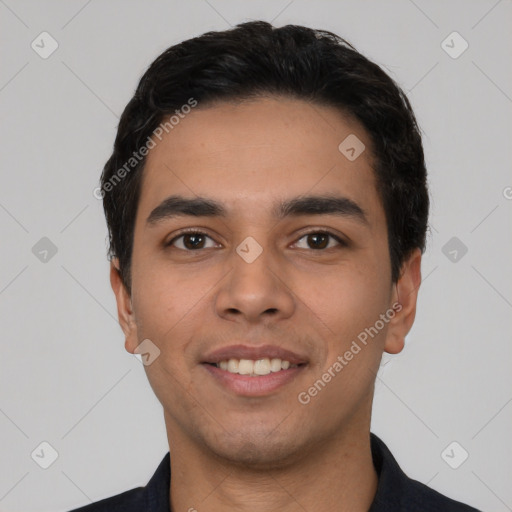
<point x="285" y="256"/>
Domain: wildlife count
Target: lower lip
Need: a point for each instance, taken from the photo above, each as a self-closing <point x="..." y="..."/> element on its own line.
<point x="246" y="385"/>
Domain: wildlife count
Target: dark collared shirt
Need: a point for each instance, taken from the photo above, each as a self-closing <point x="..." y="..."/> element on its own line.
<point x="395" y="491"/>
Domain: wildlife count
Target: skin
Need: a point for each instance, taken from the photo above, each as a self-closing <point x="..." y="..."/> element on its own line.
<point x="230" y="452"/>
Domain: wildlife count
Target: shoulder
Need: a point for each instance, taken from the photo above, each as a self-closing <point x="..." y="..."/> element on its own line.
<point x="128" y="501"/>
<point x="422" y="498"/>
<point x="154" y="497"/>
<point x="397" y="492"/>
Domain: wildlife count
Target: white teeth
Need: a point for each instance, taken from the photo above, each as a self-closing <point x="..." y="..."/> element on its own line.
<point x="245" y="367"/>
<point x="262" y="366"/>
<point x="254" y="368"/>
<point x="275" y="365"/>
<point x="232" y="365"/>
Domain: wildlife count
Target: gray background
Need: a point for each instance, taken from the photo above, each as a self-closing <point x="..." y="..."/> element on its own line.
<point x="65" y="377"/>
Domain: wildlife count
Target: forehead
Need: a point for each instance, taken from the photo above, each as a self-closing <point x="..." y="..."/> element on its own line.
<point x="248" y="154"/>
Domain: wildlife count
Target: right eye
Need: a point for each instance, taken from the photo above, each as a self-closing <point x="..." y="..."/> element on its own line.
<point x="190" y="241"/>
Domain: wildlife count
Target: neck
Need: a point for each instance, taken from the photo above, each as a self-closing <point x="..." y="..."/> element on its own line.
<point x="334" y="475"/>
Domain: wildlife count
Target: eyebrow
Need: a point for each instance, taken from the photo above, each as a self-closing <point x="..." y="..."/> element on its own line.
<point x="175" y="206"/>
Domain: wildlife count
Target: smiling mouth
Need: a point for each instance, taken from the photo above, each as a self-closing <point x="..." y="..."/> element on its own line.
<point x="255" y="368"/>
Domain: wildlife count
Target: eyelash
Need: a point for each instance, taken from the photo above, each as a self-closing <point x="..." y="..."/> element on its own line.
<point x="193" y="231"/>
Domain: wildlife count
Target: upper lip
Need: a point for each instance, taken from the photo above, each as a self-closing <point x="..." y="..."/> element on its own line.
<point x="254" y="353"/>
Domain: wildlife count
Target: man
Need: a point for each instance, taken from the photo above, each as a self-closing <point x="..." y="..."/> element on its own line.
<point x="267" y="206"/>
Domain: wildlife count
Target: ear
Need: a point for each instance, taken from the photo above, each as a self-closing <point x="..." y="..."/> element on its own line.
<point x="124" y="307"/>
<point x="404" y="295"/>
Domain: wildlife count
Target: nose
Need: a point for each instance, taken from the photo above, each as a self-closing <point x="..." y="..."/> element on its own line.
<point x="257" y="289"/>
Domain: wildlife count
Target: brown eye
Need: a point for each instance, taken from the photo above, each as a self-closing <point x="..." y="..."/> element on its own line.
<point x="191" y="241"/>
<point x="320" y="240"/>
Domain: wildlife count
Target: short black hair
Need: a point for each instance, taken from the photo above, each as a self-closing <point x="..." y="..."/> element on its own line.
<point x="252" y="60"/>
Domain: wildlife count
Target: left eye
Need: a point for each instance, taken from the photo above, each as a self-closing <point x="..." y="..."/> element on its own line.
<point x="320" y="240"/>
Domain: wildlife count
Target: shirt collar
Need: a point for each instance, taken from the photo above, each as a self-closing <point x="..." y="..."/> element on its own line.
<point x="392" y="481"/>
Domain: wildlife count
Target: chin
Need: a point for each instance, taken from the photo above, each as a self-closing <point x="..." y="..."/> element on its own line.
<point x="257" y="451"/>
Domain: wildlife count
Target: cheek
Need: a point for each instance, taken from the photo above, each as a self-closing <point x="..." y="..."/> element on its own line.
<point x="165" y="305"/>
<point x="350" y="306"/>
<point x="172" y="301"/>
<point x="347" y="300"/>
<point x="161" y="298"/>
